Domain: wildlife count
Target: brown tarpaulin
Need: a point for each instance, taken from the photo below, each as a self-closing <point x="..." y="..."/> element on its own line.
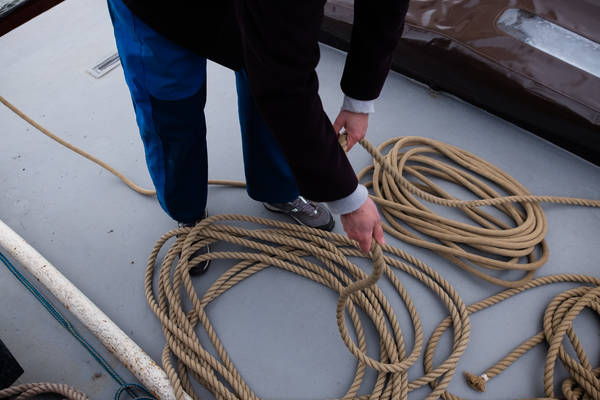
<point x="457" y="46"/>
<point x="16" y="15"/>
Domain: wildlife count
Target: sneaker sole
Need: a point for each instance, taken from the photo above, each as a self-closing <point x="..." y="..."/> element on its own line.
<point x="327" y="227"/>
<point x="200" y="270"/>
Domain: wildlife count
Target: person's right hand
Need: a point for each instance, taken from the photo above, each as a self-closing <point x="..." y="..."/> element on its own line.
<point x="363" y="225"/>
<point x="355" y="124"/>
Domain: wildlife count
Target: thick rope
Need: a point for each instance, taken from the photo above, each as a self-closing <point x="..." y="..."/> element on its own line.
<point x="31" y="390"/>
<point x="291" y="247"/>
<point x="583" y="381"/>
<point x="310" y="253"/>
<point x="286" y="246"/>
<point x="403" y="174"/>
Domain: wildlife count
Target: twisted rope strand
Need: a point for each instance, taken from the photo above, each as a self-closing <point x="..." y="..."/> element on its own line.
<point x="399" y="173"/>
<point x="310" y="253"/>
<point x="583" y="381"/>
<point x="30" y="390"/>
<point x="488" y="243"/>
<point x="281" y="247"/>
<point x="521" y="247"/>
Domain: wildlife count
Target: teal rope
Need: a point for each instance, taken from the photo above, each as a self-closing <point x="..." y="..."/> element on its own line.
<point x="130" y="388"/>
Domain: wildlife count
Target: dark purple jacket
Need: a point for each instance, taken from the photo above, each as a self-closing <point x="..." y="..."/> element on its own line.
<point x="276" y="41"/>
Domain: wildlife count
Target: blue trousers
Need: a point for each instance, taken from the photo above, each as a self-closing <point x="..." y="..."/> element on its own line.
<point x="168" y="88"/>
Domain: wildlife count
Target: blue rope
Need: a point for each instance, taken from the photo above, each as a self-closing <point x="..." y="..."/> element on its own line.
<point x="123" y="386"/>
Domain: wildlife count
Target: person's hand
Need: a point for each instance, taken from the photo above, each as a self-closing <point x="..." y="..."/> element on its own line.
<point x="364" y="224"/>
<point x="355" y="125"/>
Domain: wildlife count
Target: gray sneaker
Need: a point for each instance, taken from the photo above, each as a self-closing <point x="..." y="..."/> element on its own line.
<point x="305" y="212"/>
<point x="202" y="267"/>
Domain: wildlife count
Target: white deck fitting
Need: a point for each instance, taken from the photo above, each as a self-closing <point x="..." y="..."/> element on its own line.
<point x="94" y="227"/>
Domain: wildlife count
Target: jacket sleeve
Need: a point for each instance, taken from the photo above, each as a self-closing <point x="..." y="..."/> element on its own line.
<point x="376" y="30"/>
<point x="281" y="51"/>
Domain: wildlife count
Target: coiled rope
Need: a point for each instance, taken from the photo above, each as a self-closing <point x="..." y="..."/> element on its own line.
<point x="293" y="248"/>
<point x="290" y="247"/>
<point x="286" y="246"/>
<point x="583" y="382"/>
<point x="403" y="174"/>
<point x="29" y="390"/>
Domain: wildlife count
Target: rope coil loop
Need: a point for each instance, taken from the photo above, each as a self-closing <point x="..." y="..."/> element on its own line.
<point x="402" y="173"/>
<point x="31" y="390"/>
<point x="583" y="382"/>
<point x="558" y="325"/>
<point x="313" y="254"/>
<point x="489" y="243"/>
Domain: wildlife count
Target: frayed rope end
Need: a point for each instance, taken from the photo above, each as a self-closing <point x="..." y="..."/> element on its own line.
<point x="476" y="382"/>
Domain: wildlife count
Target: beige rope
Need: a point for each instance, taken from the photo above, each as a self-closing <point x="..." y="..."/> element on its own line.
<point x="287" y="246"/>
<point x="126" y="180"/>
<point x="30" y="390"/>
<point x="293" y="248"/>
<point x="583" y="381"/>
<point x="77" y="150"/>
<point x="474" y="247"/>
<point x="404" y="173"/>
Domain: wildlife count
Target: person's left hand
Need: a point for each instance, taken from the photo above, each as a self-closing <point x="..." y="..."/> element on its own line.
<point x="355" y="125"/>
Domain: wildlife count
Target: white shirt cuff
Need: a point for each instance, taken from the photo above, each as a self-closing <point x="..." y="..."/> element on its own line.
<point x="350" y="203"/>
<point x="358" y="106"/>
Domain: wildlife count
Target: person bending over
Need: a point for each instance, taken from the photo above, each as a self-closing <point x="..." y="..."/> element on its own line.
<point x="290" y="147"/>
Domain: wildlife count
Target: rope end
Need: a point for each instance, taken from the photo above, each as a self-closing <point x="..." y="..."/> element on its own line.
<point x="343" y="141"/>
<point x="476" y="382"/>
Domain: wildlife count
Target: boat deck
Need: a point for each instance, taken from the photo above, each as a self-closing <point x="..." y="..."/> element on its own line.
<point x="280" y="330"/>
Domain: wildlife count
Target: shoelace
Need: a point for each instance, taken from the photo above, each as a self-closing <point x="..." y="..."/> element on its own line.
<point x="304" y="206"/>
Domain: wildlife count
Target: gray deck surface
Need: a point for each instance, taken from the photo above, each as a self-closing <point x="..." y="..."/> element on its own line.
<point x="279" y="329"/>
